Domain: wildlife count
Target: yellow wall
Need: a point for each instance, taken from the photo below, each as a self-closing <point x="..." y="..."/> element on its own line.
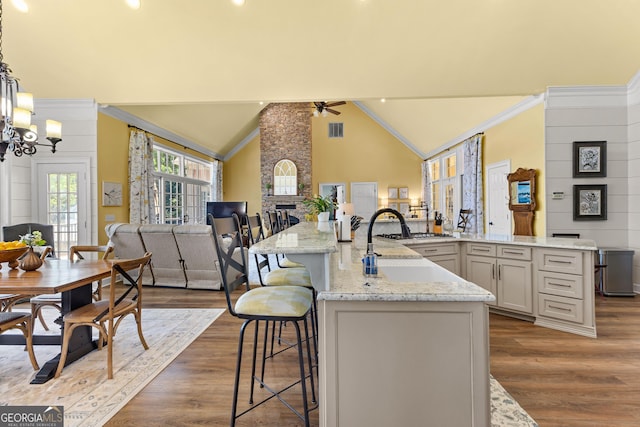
<point x="113" y="166"/>
<point x="367" y="153"/>
<point x="241" y="177"/>
<point x="521" y="139"/>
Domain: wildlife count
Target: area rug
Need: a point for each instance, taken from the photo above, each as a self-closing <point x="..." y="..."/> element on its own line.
<point x="505" y="411"/>
<point x="88" y="397"/>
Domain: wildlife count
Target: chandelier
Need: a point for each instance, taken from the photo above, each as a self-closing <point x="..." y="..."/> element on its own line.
<point x="16" y="109"/>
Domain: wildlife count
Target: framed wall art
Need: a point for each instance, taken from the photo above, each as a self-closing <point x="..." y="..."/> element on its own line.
<point x="111" y="193"/>
<point x="404" y="209"/>
<point x="393" y="192"/>
<point x="589" y="159"/>
<point x="589" y="202"/>
<point x="403" y="192"/>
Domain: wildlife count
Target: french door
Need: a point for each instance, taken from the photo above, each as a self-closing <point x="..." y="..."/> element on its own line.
<point x="62" y="201"/>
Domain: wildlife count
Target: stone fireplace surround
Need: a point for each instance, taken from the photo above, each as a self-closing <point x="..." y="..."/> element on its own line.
<point x="285" y="133"/>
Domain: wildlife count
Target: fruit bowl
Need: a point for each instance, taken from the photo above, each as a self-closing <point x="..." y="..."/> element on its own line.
<point x="12" y="255"/>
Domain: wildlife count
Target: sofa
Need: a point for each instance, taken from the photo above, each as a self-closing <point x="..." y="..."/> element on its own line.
<point x="184" y="256"/>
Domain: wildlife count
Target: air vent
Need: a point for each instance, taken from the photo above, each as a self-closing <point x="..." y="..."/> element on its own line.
<point x="336" y="130"/>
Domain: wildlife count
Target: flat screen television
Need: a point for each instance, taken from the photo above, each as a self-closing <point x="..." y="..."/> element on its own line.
<point x="226" y="209"/>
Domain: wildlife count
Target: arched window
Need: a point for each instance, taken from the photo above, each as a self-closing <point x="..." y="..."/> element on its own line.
<point x="285" y="178"/>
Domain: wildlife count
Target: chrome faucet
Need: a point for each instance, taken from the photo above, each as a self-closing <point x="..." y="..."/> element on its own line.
<point x="406" y="232"/>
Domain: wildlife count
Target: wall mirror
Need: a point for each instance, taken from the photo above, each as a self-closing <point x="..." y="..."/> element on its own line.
<point x="522" y="190"/>
<point x="522" y="200"/>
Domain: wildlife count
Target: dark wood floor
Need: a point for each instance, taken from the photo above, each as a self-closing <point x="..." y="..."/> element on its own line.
<point x="560" y="379"/>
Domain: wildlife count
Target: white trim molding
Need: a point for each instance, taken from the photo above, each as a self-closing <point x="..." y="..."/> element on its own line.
<point x="586" y="97"/>
<point x="156" y="130"/>
<point x="507" y="114"/>
<point x="389" y="129"/>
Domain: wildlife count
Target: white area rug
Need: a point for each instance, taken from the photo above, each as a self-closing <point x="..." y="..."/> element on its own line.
<point x="88" y="397"/>
<point x="505" y="411"/>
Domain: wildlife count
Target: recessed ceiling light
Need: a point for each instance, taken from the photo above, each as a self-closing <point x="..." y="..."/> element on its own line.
<point x="238" y="2"/>
<point x="21" y="5"/>
<point x="383" y="100"/>
<point x="133" y="4"/>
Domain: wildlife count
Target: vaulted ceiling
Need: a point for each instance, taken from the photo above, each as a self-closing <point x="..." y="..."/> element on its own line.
<point x="201" y="68"/>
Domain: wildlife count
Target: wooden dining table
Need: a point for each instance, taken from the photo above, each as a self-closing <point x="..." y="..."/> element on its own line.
<point x="73" y="279"/>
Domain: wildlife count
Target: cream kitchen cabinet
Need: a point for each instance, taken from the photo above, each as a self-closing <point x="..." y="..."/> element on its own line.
<point x="446" y="255"/>
<point x="505" y="271"/>
<point x="565" y="284"/>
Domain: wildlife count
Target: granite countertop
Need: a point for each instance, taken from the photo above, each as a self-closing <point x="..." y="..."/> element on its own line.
<point x="432" y="282"/>
<point x="546" y="242"/>
<point x="349" y="284"/>
<point x="302" y="238"/>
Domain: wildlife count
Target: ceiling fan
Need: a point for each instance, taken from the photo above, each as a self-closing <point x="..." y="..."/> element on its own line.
<point x="322" y="108"/>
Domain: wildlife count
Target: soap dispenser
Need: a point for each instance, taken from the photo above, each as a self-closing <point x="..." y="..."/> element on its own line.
<point x="370" y="262"/>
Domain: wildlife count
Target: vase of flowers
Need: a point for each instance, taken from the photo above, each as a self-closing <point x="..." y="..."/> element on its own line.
<point x="320" y="206"/>
<point x="31" y="260"/>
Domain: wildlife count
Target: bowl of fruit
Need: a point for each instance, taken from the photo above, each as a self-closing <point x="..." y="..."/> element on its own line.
<point x="11" y="251"/>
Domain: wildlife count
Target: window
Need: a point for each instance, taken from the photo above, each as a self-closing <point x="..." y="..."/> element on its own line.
<point x="182" y="187"/>
<point x="285" y="178"/>
<point x="445" y="184"/>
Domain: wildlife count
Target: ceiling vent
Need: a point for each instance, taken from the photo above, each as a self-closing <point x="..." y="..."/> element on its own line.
<point x="336" y="130"/>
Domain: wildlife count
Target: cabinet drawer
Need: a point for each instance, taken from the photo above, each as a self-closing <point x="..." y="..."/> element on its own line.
<point x="565" y="285"/>
<point x="514" y="252"/>
<point x="560" y="308"/>
<point x="569" y="262"/>
<point x="483" y="249"/>
<point x="439" y="249"/>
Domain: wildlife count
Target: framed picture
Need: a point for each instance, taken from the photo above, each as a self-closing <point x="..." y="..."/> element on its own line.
<point x="589" y="202"/>
<point x="589" y="159"/>
<point x="393" y="206"/>
<point x="403" y="193"/>
<point x="404" y="209"/>
<point x="393" y="193"/>
<point x="111" y="193"/>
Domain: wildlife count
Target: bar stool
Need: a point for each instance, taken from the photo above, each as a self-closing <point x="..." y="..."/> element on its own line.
<point x="263" y="304"/>
<point x="281" y="276"/>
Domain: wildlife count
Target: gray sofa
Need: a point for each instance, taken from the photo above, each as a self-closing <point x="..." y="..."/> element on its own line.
<point x="184" y="256"/>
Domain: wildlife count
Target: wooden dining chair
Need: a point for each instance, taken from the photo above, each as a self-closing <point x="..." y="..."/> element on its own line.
<point x="55" y="300"/>
<point x="105" y="315"/>
<point x="21" y="321"/>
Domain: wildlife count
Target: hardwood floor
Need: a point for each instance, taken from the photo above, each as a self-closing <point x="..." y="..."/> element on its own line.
<point x="560" y="379"/>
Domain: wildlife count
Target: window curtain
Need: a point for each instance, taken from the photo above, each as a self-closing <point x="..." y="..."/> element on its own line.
<point x="217" y="181"/>
<point x="426" y="183"/>
<point x="472" y="193"/>
<point x="140" y="178"/>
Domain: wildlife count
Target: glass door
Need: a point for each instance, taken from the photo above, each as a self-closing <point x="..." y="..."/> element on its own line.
<point x="62" y="190"/>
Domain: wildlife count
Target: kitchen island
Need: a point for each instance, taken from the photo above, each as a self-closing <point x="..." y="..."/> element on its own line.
<point x="409" y="347"/>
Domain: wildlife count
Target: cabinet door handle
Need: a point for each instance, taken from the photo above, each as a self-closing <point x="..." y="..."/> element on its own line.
<point x="555" y="307"/>
<point x="506" y="251"/>
<point x="493" y="271"/>
<point x="480" y="249"/>
<point x="499" y="272"/>
<point x="430" y="250"/>
<point x="564" y="285"/>
<point x="559" y="261"/>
